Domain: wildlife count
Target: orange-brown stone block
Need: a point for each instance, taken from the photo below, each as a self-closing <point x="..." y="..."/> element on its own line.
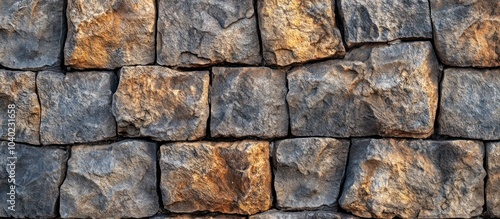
<point x="298" y="31"/>
<point x="226" y="177"/>
<point x="110" y="34"/>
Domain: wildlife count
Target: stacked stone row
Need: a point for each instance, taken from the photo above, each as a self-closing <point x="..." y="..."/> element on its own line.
<point x="229" y="109"/>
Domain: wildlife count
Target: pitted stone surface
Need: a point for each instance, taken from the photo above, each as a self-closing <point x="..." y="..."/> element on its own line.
<point x="467" y="33"/>
<point x="195" y="33"/>
<point x="273" y="214"/>
<point x="470" y="104"/>
<point x="19" y="88"/>
<point x="389" y="178"/>
<point x="38" y="173"/>
<point x="309" y="171"/>
<point x="76" y="107"/>
<point x="493" y="182"/>
<point x="111" y="181"/>
<point x="389" y="91"/>
<point x="367" y="21"/>
<point x="226" y="177"/>
<point x="298" y="31"/>
<point x="248" y="101"/>
<point x="31" y="33"/>
<point x="110" y="34"/>
<point x="187" y="216"/>
<point x="161" y="103"/>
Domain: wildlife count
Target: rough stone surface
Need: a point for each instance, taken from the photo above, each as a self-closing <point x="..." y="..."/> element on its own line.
<point x="198" y="33"/>
<point x="39" y="171"/>
<point x="298" y="31"/>
<point x="368" y="21"/>
<point x="227" y="177"/>
<point x="187" y="216"/>
<point x="467" y="33"/>
<point x="110" y="34"/>
<point x="308" y="171"/>
<point x="493" y="182"/>
<point x="248" y="102"/>
<point x="385" y="90"/>
<point x="19" y="88"/>
<point x="116" y="180"/>
<point x="31" y="33"/>
<point x="161" y="103"/>
<point x="408" y="178"/>
<point x="76" y="107"/>
<point x="470" y="104"/>
<point x="303" y="214"/>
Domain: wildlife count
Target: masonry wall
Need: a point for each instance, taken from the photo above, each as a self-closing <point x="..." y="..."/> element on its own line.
<point x="250" y="109"/>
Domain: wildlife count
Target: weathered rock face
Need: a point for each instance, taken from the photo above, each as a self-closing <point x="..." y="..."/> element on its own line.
<point x="303" y="214"/>
<point x="297" y="31"/>
<point x="309" y="171"/>
<point x="31" y="33"/>
<point x="410" y="178"/>
<point x="117" y="180"/>
<point x="467" y="33"/>
<point x="18" y="88"/>
<point x="161" y="103"/>
<point x="76" y="107"/>
<point x="187" y="216"/>
<point x="493" y="183"/>
<point x="248" y="102"/>
<point x="368" y="21"/>
<point x="199" y="33"/>
<point x="388" y="91"/>
<point x="227" y="177"/>
<point x="469" y="105"/>
<point x="38" y="173"/>
<point x="110" y="34"/>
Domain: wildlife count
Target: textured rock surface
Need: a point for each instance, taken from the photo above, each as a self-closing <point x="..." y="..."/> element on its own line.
<point x="410" y="178"/>
<point x="187" y="216"/>
<point x="164" y="104"/>
<point x="227" y="177"/>
<point x="303" y="214"/>
<point x="110" y="34"/>
<point x="116" y="180"/>
<point x="76" y="107"/>
<point x="199" y="33"/>
<point x="467" y="33"/>
<point x="308" y="171"/>
<point x="19" y="88"/>
<point x="248" y="102"/>
<point x="493" y="183"/>
<point x="31" y="33"/>
<point x="469" y="105"/>
<point x="388" y="91"/>
<point x="298" y="31"/>
<point x="384" y="20"/>
<point x="39" y="171"/>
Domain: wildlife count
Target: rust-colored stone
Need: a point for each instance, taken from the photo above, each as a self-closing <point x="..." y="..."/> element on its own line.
<point x="110" y="34"/>
<point x="227" y="177"/>
<point x="298" y="31"/>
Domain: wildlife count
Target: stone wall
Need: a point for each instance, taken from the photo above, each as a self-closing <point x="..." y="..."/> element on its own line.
<point x="253" y="109"/>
